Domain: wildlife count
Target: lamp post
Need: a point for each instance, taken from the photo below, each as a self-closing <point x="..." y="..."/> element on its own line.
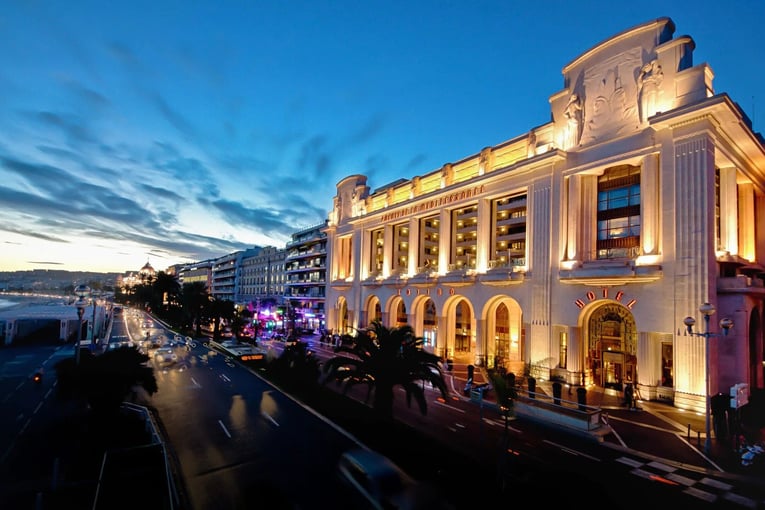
<point x="93" y="296"/>
<point x="81" y="291"/>
<point x="707" y="310"/>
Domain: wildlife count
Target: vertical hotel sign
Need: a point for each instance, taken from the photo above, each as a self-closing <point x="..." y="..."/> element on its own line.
<point x="604" y="293"/>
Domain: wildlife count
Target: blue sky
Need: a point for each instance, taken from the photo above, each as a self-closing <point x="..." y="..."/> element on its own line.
<point x="170" y="132"/>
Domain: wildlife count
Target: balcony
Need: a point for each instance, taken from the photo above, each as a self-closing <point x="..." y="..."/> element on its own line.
<point x="608" y="272"/>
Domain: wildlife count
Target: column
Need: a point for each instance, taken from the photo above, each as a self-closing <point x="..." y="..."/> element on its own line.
<point x="414" y="246"/>
<point x="746" y="246"/>
<point x="573" y="212"/>
<point x="729" y="211"/>
<point x="387" y="250"/>
<point x="484" y="250"/>
<point x="444" y="241"/>
<point x="649" y="205"/>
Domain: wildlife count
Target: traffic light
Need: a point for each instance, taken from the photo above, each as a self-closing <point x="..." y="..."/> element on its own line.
<point x="37" y="378"/>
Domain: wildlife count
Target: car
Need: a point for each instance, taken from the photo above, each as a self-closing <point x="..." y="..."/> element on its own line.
<point x="165" y="355"/>
<point x="384" y="485"/>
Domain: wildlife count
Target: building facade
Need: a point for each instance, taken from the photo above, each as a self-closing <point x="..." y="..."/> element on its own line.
<point x="262" y="276"/>
<point x="224" y="273"/>
<point x="576" y="250"/>
<point x="197" y="272"/>
<point x="306" y="271"/>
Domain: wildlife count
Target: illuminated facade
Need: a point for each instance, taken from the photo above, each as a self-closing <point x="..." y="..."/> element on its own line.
<point x="574" y="251"/>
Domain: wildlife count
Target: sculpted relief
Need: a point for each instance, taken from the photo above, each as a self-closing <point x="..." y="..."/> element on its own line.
<point x="610" y="99"/>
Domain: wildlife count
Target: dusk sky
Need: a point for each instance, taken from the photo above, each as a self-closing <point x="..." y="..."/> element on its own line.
<point x="177" y="131"/>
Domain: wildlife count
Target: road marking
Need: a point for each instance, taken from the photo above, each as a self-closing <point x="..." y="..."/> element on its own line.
<point x="449" y="407"/>
<point x="37" y="408"/>
<point x="270" y="419"/>
<point x="459" y="425"/>
<point x="717" y="484"/>
<point x="741" y="500"/>
<point x="224" y="429"/>
<point x="661" y="466"/>
<point x="684" y="480"/>
<point x="696" y="493"/>
<point x="498" y="423"/>
<point x="571" y="451"/>
<point x="225" y="378"/>
<point x="630" y="462"/>
<point x="195" y="383"/>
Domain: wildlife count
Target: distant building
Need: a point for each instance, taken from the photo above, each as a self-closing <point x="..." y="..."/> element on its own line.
<point x="262" y="276"/>
<point x="306" y="271"/>
<point x="224" y="272"/>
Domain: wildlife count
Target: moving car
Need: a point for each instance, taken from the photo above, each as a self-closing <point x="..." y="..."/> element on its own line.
<point x="165" y="355"/>
<point x="384" y="485"/>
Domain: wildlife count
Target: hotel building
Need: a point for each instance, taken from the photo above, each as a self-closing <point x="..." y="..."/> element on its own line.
<point x="576" y="250"/>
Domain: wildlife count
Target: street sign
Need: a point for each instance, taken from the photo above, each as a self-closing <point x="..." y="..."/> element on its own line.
<point x="739" y="395"/>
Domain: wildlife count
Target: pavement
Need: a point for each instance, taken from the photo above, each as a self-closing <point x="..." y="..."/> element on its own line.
<point x="656" y="430"/>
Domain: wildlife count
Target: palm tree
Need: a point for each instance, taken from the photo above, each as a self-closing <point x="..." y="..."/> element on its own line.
<point x="194" y="298"/>
<point x="166" y="289"/>
<point x="382" y="358"/>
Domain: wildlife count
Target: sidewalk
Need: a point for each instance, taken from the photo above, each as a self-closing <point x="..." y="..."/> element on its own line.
<point x="657" y="430"/>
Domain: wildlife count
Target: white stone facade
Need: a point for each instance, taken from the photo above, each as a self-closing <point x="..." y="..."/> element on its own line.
<point x="575" y="251"/>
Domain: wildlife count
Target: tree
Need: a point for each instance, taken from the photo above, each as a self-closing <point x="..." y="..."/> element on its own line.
<point x="221" y="309"/>
<point x="504" y="386"/>
<point x="105" y="381"/>
<point x="166" y="290"/>
<point x="382" y="358"/>
<point x="194" y="298"/>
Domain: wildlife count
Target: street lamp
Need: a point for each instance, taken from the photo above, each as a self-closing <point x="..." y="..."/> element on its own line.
<point x="707" y="310"/>
<point x="81" y="291"/>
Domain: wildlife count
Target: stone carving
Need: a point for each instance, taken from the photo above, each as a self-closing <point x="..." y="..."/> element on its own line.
<point x="649" y="87"/>
<point x="610" y="92"/>
<point x="531" y="145"/>
<point x="573" y="114"/>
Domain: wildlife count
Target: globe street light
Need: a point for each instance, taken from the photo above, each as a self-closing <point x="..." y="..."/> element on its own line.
<point x="707" y="310"/>
<point x="81" y="291"/>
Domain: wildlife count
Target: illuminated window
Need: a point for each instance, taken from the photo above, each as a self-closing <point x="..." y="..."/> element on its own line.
<point x="619" y="213"/>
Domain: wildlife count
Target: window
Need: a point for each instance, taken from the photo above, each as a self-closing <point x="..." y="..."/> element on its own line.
<point x="563" y="348"/>
<point x="619" y="213"/>
<point x="377" y="252"/>
<point x="667" y="365"/>
<point x="428" y="256"/>
<point x="464" y="237"/>
<point x="509" y="231"/>
<point x="401" y="246"/>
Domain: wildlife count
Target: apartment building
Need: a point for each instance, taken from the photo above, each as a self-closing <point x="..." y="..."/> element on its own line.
<point x="262" y="276"/>
<point x="306" y="271"/>
<point x="576" y="251"/>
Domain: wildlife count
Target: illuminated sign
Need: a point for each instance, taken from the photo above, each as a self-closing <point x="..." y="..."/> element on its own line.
<point x="253" y="357"/>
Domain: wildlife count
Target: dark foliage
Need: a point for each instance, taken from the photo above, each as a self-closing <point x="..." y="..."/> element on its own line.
<point x="296" y="370"/>
<point x="105" y="381"/>
<point x="382" y="358"/>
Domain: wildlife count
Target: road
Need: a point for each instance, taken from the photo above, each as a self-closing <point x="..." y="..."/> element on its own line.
<point x="239" y="441"/>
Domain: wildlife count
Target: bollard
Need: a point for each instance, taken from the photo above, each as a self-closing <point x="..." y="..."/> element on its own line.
<point x="556" y="386"/>
<point x="532" y="383"/>
<point x="581" y="397"/>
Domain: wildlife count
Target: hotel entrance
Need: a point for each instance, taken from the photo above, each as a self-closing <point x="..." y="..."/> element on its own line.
<point x="612" y="342"/>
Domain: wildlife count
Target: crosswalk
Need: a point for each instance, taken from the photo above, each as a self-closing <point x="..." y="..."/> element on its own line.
<point x="694" y="484"/>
